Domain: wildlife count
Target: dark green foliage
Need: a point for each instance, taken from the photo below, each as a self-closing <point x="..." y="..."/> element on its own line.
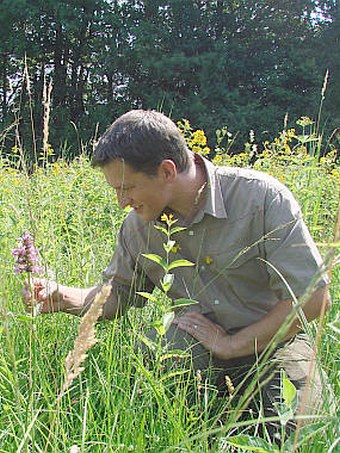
<point x="241" y="64"/>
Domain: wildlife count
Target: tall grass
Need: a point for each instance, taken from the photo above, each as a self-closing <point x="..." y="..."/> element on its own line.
<point x="124" y="401"/>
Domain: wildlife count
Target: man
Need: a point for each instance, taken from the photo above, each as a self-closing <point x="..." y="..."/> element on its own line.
<point x="245" y="234"/>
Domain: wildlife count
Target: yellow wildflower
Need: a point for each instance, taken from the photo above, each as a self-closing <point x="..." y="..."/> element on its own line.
<point x="165" y="217"/>
<point x="199" y="137"/>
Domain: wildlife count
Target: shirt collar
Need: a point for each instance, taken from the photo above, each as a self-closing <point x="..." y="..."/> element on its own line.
<point x="214" y="204"/>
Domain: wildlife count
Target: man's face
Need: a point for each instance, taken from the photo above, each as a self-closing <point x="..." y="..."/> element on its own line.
<point x="147" y="195"/>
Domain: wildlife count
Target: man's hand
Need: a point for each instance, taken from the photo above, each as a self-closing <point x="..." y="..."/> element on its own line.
<point x="55" y="297"/>
<point x="257" y="336"/>
<point x="211" y="335"/>
<point x="45" y="292"/>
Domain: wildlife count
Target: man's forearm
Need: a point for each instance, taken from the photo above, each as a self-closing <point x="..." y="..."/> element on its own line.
<point x="74" y="301"/>
<point x="77" y="301"/>
<point x="257" y="336"/>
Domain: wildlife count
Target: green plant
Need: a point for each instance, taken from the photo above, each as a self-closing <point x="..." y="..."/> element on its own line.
<point x="167" y="280"/>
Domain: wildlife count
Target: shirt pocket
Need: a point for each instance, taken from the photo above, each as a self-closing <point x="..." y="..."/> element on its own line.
<point x="241" y="273"/>
<point x="232" y="258"/>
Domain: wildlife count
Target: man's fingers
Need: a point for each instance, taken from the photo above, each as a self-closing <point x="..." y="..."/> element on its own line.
<point x="38" y="291"/>
<point x="201" y="328"/>
<point x="195" y="320"/>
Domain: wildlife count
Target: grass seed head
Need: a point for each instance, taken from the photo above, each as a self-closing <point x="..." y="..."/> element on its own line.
<point x="86" y="338"/>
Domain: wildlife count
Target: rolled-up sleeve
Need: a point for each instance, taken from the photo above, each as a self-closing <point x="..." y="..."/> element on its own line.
<point x="293" y="260"/>
<point x="126" y="276"/>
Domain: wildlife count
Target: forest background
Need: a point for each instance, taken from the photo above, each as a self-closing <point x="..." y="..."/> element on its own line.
<point x="237" y="64"/>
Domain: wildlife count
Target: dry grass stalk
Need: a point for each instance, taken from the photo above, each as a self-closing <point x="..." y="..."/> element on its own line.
<point x="47" y="90"/>
<point x="85" y="340"/>
<point x="29" y="93"/>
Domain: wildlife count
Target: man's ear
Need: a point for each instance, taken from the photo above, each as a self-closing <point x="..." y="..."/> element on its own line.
<point x="168" y="170"/>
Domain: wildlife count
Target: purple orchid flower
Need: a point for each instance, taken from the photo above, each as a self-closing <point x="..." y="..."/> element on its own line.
<point x="27" y="256"/>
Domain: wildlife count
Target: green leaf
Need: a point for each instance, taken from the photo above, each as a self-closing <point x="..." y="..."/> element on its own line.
<point x="335" y="325"/>
<point x="168" y="246"/>
<point x="307" y="432"/>
<point x="167" y="282"/>
<point x="180" y="263"/>
<point x="177" y="230"/>
<point x="150" y="344"/>
<point x="157" y="259"/>
<point x="172" y="374"/>
<point x="306" y="138"/>
<point x="167" y="319"/>
<point x="250" y="443"/>
<point x="147" y="296"/>
<point x="159" y="327"/>
<point x="182" y="302"/>
<point x="162" y="229"/>
<point x="288" y="392"/>
<point x="25" y="318"/>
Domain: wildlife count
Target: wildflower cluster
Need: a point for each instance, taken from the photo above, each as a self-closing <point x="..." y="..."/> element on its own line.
<point x="196" y="140"/>
<point x="27" y="256"/>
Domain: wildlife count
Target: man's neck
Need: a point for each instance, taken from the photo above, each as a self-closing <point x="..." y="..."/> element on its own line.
<point x="189" y="191"/>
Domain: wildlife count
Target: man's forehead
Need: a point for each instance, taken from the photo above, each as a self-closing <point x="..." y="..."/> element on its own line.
<point x="117" y="172"/>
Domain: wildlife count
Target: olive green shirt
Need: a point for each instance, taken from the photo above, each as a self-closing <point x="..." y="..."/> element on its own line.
<point x="249" y="243"/>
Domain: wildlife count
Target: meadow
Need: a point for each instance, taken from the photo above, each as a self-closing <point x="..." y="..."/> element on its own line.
<point x="121" y="402"/>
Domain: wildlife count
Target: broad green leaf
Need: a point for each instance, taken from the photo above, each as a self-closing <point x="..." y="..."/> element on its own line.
<point x="177" y="230"/>
<point x="160" y="228"/>
<point x="167" y="319"/>
<point x="147" y="296"/>
<point x="182" y="302"/>
<point x="168" y="246"/>
<point x="167" y="282"/>
<point x="157" y="259"/>
<point x="288" y="392"/>
<point x="250" y="443"/>
<point x="159" y="327"/>
<point x="180" y="263"/>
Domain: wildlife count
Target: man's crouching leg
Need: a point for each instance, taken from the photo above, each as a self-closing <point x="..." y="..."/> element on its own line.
<point x="293" y="360"/>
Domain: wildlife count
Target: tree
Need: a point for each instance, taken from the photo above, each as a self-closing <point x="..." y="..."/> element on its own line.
<point x="236" y="63"/>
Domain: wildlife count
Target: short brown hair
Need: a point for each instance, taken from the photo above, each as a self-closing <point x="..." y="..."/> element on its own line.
<point x="143" y="139"/>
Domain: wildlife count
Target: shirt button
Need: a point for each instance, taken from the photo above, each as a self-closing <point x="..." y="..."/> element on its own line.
<point x="190" y="233"/>
<point x="216" y="302"/>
